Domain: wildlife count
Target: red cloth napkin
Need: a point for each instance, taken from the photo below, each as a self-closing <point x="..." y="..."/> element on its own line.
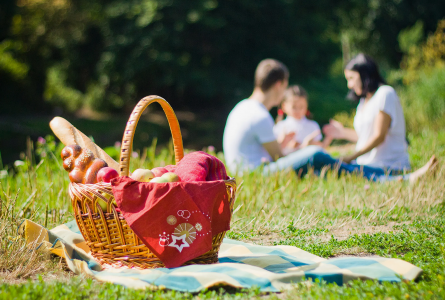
<point x="175" y="220"/>
<point x="199" y="166"/>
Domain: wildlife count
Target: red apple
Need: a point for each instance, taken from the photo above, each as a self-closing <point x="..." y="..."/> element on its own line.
<point x="159" y="171"/>
<point x="106" y="174"/>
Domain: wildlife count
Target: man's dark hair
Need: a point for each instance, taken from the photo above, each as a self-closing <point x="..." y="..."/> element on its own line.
<point x="369" y="75"/>
<point x="268" y="72"/>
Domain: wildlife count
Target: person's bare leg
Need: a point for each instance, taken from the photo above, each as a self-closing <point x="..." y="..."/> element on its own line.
<point x="429" y="167"/>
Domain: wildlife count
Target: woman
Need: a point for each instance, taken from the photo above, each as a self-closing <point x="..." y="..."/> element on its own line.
<point x="379" y="132"/>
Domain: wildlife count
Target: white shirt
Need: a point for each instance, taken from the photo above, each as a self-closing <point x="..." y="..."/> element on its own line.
<point x="302" y="128"/>
<point x="248" y="126"/>
<point x="392" y="153"/>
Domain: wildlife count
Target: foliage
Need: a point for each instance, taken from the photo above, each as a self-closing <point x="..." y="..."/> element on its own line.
<point x="347" y="119"/>
<point x="9" y="64"/>
<point x="411" y="37"/>
<point x="104" y="55"/>
<point x="424" y="100"/>
<point x="373" y="26"/>
<point x="429" y="55"/>
<point x="327" y="97"/>
<point x="423" y="73"/>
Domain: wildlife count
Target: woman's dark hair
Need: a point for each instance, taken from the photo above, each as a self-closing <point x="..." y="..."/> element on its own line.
<point x="369" y="75"/>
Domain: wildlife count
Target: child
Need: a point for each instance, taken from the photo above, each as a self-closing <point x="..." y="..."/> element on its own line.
<point x="307" y="132"/>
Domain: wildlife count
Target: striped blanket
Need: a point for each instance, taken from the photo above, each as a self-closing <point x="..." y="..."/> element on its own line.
<point x="241" y="265"/>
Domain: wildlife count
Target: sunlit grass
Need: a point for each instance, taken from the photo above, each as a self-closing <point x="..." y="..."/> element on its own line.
<point x="327" y="216"/>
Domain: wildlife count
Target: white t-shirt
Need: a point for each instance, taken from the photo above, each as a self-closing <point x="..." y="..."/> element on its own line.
<point x="248" y="126"/>
<point x="392" y="153"/>
<point x="302" y="128"/>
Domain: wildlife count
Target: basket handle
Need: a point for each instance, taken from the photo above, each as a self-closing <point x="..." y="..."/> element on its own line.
<point x="127" y="140"/>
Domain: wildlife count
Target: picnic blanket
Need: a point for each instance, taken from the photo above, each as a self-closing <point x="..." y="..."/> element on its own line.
<point x="241" y="265"/>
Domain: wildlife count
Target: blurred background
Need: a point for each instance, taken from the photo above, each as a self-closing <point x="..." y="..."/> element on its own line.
<point x="90" y="61"/>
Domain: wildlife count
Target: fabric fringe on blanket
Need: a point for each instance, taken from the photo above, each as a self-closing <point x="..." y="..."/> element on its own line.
<point x="241" y="265"/>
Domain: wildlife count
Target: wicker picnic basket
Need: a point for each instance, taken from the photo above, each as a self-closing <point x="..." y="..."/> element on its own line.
<point x="111" y="240"/>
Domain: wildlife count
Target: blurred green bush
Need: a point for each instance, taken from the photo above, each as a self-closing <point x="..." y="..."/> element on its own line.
<point x="424" y="100"/>
<point x="423" y="75"/>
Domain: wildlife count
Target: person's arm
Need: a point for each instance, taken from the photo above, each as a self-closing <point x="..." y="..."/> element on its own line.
<point x="381" y="125"/>
<point x="350" y="135"/>
<point x="336" y="130"/>
<point x="324" y="143"/>
<point x="311" y="139"/>
<point x="275" y="148"/>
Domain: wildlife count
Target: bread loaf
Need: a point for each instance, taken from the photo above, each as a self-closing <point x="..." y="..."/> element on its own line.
<point x="91" y="173"/>
<point x="81" y="164"/>
<point x="70" y="135"/>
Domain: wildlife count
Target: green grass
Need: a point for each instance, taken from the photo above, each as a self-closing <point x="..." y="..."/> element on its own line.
<point x="79" y="288"/>
<point x="198" y="130"/>
<point x="327" y="216"/>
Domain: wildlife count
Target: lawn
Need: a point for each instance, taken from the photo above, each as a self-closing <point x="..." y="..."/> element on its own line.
<point x="327" y="216"/>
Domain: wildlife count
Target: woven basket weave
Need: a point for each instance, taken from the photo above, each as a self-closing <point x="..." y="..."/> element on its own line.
<point x="112" y="242"/>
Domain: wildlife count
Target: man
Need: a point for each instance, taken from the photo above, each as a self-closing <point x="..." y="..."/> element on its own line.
<point x="248" y="135"/>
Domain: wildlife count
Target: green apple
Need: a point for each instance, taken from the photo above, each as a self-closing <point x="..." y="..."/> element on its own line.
<point x="142" y="175"/>
<point x="102" y="204"/>
<point x="171" y="177"/>
<point x="159" y="180"/>
<point x="106" y="195"/>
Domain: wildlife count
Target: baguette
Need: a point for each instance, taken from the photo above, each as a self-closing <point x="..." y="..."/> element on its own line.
<point x="70" y="135"/>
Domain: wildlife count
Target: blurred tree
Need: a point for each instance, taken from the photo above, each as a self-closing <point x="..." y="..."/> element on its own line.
<point x="7" y="11"/>
<point x="38" y="33"/>
<point x="373" y="26"/>
<point x="103" y="55"/>
<point x="411" y="37"/>
<point x="423" y="70"/>
<point x="427" y="56"/>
